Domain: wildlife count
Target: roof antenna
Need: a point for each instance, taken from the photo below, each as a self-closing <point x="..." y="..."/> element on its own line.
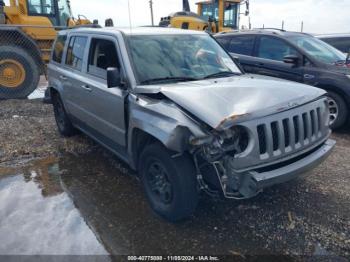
<point x="129" y="16"/>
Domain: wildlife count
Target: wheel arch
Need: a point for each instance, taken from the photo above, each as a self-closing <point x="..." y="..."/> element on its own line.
<point x="175" y="141"/>
<point x="139" y="140"/>
<point x="337" y="90"/>
<point x="14" y="36"/>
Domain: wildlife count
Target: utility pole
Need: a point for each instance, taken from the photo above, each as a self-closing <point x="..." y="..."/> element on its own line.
<point x="302" y="26"/>
<point x="151" y="6"/>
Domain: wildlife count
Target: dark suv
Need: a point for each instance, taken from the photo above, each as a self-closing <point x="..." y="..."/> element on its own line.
<point x="298" y="57"/>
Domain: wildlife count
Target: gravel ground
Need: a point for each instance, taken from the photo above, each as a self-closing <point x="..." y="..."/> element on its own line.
<point x="308" y="216"/>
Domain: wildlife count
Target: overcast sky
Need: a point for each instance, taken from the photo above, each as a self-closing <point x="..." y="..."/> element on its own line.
<point x="319" y="16"/>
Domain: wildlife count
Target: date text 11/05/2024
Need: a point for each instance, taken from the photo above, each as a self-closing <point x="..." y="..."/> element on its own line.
<point x="173" y="258"/>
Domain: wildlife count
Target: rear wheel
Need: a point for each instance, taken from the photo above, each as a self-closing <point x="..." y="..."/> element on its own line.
<point x="338" y="111"/>
<point x="170" y="183"/>
<point x="64" y="124"/>
<point x="19" y="73"/>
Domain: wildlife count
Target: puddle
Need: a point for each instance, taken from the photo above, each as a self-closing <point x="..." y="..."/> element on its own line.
<point x="90" y="204"/>
<point x="38" y="217"/>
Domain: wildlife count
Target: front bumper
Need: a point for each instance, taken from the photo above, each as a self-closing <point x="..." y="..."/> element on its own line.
<point x="256" y="181"/>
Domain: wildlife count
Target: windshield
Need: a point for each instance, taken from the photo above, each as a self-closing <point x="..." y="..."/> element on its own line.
<point x="179" y="58"/>
<point x="64" y="12"/>
<point x="318" y="49"/>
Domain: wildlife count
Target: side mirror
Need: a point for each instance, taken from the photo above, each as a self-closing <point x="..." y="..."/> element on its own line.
<point x="114" y="78"/>
<point x="291" y="59"/>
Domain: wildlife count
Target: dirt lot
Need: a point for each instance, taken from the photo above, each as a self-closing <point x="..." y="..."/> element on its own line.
<point x="308" y="216"/>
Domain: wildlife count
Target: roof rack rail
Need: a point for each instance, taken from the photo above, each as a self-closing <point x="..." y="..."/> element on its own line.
<point x="88" y="26"/>
<point x="270" y="28"/>
<point x="83" y="26"/>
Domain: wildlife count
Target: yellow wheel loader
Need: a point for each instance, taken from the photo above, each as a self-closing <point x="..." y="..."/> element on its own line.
<point x="27" y="31"/>
<point x="213" y="16"/>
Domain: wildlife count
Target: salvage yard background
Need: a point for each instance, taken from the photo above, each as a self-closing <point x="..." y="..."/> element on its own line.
<point x="307" y="216"/>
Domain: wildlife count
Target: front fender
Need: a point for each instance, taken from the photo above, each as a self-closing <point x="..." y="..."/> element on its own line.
<point x="162" y="120"/>
<point x="172" y="135"/>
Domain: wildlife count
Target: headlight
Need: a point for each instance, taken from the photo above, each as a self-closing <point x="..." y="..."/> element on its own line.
<point x="348" y="76"/>
<point x="232" y="141"/>
<point x="235" y="139"/>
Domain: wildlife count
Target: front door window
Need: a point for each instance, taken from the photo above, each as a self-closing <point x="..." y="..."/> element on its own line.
<point x="274" y="49"/>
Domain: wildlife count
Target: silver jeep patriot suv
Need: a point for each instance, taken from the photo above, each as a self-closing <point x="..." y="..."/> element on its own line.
<point x="178" y="109"/>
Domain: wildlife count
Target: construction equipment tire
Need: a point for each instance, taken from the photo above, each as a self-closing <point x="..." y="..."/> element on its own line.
<point x="19" y="73"/>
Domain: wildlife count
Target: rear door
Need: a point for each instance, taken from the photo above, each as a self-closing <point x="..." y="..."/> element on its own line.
<point x="269" y="54"/>
<point x="72" y="76"/>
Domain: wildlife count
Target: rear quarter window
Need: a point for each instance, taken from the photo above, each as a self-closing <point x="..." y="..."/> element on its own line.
<point x="59" y="48"/>
<point x="75" y="52"/>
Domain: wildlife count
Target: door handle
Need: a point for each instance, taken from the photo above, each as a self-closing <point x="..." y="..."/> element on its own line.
<point x="307" y="76"/>
<point x="86" y="88"/>
<point x="62" y="77"/>
<point x="259" y="64"/>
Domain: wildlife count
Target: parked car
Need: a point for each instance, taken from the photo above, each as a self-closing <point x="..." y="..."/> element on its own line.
<point x="339" y="41"/>
<point x="298" y="57"/>
<point x="174" y="106"/>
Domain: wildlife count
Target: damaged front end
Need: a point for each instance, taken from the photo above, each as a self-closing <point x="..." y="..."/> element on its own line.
<point x="241" y="158"/>
<point x="214" y="157"/>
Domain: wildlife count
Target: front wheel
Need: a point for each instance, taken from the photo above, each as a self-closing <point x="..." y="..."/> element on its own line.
<point x="170" y="183"/>
<point x="63" y="122"/>
<point x="338" y="111"/>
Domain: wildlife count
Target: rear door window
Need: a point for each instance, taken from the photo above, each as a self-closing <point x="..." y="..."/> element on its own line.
<point x="102" y="55"/>
<point x="59" y="48"/>
<point x="274" y="49"/>
<point x="75" y="52"/>
<point x="242" y="45"/>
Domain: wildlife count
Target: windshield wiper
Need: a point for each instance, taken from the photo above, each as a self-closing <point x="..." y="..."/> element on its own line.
<point x="221" y="74"/>
<point x="169" y="79"/>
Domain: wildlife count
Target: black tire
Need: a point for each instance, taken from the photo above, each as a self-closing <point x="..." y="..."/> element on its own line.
<point x="64" y="125"/>
<point x="31" y="69"/>
<point x="336" y="102"/>
<point x="179" y="198"/>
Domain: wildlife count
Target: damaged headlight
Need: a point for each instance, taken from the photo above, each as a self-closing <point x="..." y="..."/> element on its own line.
<point x="235" y="139"/>
<point x="232" y="141"/>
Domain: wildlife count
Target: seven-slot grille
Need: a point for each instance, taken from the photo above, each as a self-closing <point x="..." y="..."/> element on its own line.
<point x="299" y="129"/>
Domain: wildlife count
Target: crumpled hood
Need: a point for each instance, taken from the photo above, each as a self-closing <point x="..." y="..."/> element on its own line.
<point x="239" y="98"/>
